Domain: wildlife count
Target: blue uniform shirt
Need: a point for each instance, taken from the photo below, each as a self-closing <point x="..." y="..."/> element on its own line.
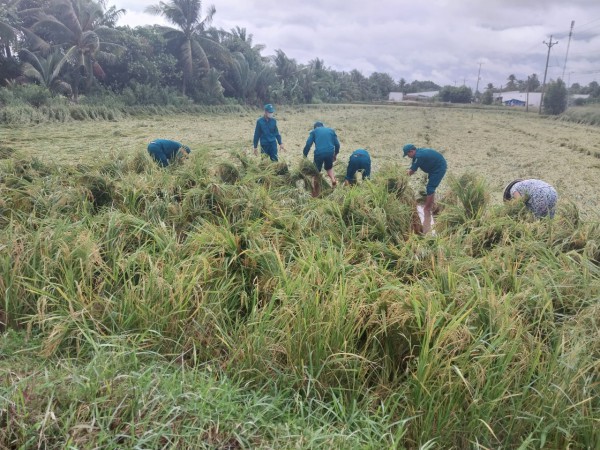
<point x="266" y="132"/>
<point x="164" y="150"/>
<point x="429" y="161"/>
<point x="325" y="140"/>
<point x="432" y="163"/>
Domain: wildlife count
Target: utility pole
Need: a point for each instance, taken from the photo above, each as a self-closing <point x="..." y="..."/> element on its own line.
<point x="478" y="78"/>
<point x="567" y="54"/>
<point x="550" y="44"/>
<point x="527" y="101"/>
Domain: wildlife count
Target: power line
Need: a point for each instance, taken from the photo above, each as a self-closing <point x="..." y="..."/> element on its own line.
<point x="581" y="28"/>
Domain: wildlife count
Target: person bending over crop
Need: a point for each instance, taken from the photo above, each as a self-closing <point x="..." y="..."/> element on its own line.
<point x="359" y="161"/>
<point x="267" y="134"/>
<point x="434" y="165"/>
<point x="165" y="151"/>
<point x="327" y="146"/>
<point x="540" y="197"/>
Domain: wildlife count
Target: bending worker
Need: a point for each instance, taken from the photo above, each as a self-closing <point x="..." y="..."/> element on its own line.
<point x="434" y="165"/>
<point x="359" y="161"/>
<point x="267" y="134"/>
<point x="165" y="151"/>
<point x="540" y="197"/>
<point x="327" y="146"/>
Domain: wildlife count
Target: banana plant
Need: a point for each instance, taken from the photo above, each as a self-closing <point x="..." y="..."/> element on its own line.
<point x="46" y="71"/>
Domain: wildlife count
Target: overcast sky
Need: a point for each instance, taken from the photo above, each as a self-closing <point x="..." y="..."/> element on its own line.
<point x="445" y="41"/>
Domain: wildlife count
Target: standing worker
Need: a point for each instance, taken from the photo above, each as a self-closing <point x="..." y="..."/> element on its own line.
<point x="267" y="134"/>
<point x="434" y="165"/>
<point x="359" y="161"/>
<point x="327" y="146"/>
<point x="165" y="151"/>
<point x="540" y="197"/>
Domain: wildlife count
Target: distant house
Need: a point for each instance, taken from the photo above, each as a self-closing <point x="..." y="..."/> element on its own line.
<point x="395" y="97"/>
<point x="516" y="98"/>
<point x="581" y="96"/>
<point x="421" y="96"/>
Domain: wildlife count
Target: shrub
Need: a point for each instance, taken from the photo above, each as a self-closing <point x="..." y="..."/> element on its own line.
<point x="33" y="94"/>
<point x="555" y="100"/>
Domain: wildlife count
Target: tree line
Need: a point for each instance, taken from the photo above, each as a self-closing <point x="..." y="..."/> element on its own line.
<point x="74" y="47"/>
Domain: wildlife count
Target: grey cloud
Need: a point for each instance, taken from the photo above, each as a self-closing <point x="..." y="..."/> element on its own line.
<point x="439" y="40"/>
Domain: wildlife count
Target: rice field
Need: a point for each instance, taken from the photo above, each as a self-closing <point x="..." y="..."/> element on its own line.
<point x="216" y="304"/>
<point x="498" y="145"/>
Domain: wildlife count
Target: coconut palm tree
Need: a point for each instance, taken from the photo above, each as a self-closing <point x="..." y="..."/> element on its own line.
<point x="190" y="38"/>
<point x="9" y="23"/>
<point x="77" y="27"/>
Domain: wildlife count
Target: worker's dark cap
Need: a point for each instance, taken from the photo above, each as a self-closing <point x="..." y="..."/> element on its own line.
<point x="506" y="196"/>
<point x="317" y="124"/>
<point x="269" y="108"/>
<point x="407" y="148"/>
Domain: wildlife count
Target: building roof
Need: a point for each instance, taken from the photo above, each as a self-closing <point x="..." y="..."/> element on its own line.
<point x="427" y="94"/>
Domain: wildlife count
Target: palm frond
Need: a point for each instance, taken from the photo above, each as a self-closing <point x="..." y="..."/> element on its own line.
<point x="199" y="53"/>
<point x="51" y="26"/>
<point x="35" y="42"/>
<point x="7" y="33"/>
<point x="33" y="73"/>
<point x="65" y="9"/>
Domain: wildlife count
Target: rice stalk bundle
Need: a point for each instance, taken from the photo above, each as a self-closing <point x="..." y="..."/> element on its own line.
<point x="126" y="233"/>
<point x="140" y="163"/>
<point x="6" y="152"/>
<point x="228" y="172"/>
<point x="70" y="201"/>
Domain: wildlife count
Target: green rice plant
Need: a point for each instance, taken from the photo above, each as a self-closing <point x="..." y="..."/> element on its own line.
<point x="466" y="201"/>
<point x="496" y="231"/>
<point x="136" y="400"/>
<point x="589" y="115"/>
<point x="127" y="233"/>
<point x="141" y="162"/>
<point x="301" y="326"/>
<point x="14" y="259"/>
<point x="70" y="201"/>
<point x="327" y="321"/>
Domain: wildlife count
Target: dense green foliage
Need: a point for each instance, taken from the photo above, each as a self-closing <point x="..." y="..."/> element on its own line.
<point x="73" y="48"/>
<point x="555" y="98"/>
<point x="451" y="94"/>
<point x="208" y="65"/>
<point x="222" y="306"/>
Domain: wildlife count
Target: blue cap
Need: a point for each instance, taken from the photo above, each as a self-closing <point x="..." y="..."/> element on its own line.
<point x="407" y="148"/>
<point x="269" y="108"/>
<point x="317" y="124"/>
<point x="187" y="149"/>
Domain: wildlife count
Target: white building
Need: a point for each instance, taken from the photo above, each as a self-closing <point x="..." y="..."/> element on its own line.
<point x="395" y="97"/>
<point x="428" y="95"/>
